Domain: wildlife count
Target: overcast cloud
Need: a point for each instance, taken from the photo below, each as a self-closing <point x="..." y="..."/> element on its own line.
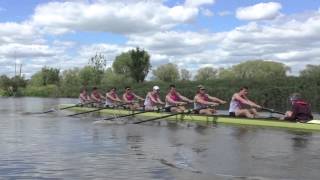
<point x="166" y="31"/>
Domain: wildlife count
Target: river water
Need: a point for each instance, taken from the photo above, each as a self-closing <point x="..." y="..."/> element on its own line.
<point x="53" y="146"/>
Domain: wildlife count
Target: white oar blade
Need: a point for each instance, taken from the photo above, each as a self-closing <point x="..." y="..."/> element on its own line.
<point x="314" y="121"/>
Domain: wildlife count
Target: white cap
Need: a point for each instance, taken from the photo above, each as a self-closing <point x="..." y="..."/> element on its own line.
<point x="156" y="88"/>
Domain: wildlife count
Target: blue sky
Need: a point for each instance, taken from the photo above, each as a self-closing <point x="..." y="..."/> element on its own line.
<point x="189" y="33"/>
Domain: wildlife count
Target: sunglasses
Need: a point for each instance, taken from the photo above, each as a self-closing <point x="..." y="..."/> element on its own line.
<point x="128" y="89"/>
<point x="202" y="89"/>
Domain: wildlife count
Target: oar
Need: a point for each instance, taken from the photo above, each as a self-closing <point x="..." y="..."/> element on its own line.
<point x="141" y="112"/>
<point x="272" y="111"/>
<point x="99" y="109"/>
<point x="76" y="105"/>
<point x="53" y="110"/>
<point x="156" y="118"/>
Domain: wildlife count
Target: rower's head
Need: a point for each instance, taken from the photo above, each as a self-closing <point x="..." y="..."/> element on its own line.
<point x="94" y="89"/>
<point x="172" y="88"/>
<point x="295" y="97"/>
<point x="127" y="89"/>
<point x="244" y="91"/>
<point x="83" y="91"/>
<point x="201" y="89"/>
<point x="156" y="89"/>
<point x="113" y="89"/>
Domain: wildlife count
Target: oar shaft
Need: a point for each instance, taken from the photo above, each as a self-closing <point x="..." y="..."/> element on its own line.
<point x="272" y="111"/>
<point x="156" y="118"/>
<point x="88" y="111"/>
<point x="76" y="105"/>
<point x="99" y="109"/>
<point x="126" y="115"/>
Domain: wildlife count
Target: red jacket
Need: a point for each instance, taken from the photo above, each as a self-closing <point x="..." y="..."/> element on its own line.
<point x="301" y="111"/>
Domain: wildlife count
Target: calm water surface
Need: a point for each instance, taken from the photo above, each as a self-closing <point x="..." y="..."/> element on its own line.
<point x="52" y="146"/>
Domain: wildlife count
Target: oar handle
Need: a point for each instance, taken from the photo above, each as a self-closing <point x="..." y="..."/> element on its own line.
<point x="271" y="110"/>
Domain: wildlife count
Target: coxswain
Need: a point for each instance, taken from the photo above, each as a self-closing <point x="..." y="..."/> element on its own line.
<point x="300" y="111"/>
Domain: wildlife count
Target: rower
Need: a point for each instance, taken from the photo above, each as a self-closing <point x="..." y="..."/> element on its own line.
<point x="202" y="101"/>
<point x="174" y="98"/>
<point x="301" y="110"/>
<point x="96" y="97"/>
<point x="153" y="99"/>
<point x="112" y="98"/>
<point x="84" y="97"/>
<point x="241" y="106"/>
<point x="129" y="97"/>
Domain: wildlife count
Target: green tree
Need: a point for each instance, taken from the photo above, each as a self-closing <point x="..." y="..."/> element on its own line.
<point x="88" y="76"/>
<point x="134" y="63"/>
<point x="311" y="71"/>
<point x="111" y="79"/>
<point x="46" y="76"/>
<point x="98" y="64"/>
<point x="206" y="74"/>
<point x="185" y="75"/>
<point x="71" y="83"/>
<point x="167" y="73"/>
<point x="226" y="74"/>
<point x="260" y="69"/>
<point x="121" y="65"/>
<point x="140" y="64"/>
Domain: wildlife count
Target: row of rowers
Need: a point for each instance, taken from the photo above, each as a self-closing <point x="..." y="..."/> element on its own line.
<point x="240" y="105"/>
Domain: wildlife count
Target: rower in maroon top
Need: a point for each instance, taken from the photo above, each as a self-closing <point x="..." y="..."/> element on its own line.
<point x="174" y="98"/>
<point x="96" y="96"/>
<point x="112" y="98"/>
<point x="84" y="97"/>
<point x="301" y="110"/>
<point x="203" y="101"/>
<point x="129" y="97"/>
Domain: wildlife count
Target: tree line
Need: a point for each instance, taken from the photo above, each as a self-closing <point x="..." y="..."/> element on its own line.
<point x="268" y="81"/>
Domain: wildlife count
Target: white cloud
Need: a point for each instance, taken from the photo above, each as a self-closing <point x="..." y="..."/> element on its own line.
<point x="11" y="32"/>
<point x="197" y="3"/>
<point x="111" y="16"/>
<point x="207" y="12"/>
<point x="225" y="13"/>
<point x="261" y="11"/>
<point x="293" y="40"/>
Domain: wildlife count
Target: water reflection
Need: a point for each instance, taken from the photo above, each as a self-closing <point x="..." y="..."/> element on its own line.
<point x="300" y="140"/>
<point x="52" y="146"/>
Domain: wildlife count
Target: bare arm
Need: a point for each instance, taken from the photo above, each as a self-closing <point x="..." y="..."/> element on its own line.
<point x="159" y="100"/>
<point x="138" y="97"/>
<point x="215" y="99"/>
<point x="246" y="101"/>
<point x="184" y="98"/>
<point x="171" y="101"/>
<point x="112" y="98"/>
<point x="201" y="101"/>
<point x="125" y="98"/>
<point x="152" y="98"/>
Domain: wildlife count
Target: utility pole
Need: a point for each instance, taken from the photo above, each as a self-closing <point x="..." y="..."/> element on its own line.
<point x="15" y="64"/>
<point x="20" y="69"/>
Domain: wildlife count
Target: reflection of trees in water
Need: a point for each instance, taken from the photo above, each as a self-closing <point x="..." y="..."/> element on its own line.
<point x="300" y="140"/>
